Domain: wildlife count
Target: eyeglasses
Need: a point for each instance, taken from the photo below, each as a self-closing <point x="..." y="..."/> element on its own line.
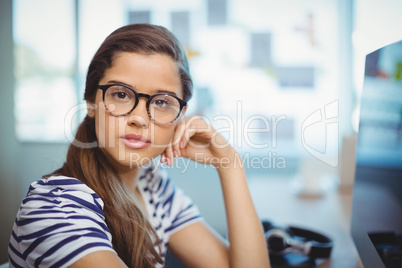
<point x="163" y="108"/>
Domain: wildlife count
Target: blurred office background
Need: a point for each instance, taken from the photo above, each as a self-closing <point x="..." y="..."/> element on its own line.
<point x="280" y="79"/>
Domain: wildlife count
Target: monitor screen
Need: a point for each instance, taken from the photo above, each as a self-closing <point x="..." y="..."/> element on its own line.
<point x="377" y="194"/>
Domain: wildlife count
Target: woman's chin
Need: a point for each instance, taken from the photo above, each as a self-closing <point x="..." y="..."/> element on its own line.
<point x="136" y="160"/>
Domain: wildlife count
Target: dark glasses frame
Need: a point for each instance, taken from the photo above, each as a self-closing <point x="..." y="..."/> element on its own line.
<point x="149" y="98"/>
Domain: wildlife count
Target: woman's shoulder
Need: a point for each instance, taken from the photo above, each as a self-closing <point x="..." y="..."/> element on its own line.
<point x="63" y="218"/>
<point x="62" y="191"/>
<point x="59" y="182"/>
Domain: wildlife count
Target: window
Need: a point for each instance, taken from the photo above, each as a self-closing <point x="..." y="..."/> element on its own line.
<point x="44" y="67"/>
<point x="260" y="69"/>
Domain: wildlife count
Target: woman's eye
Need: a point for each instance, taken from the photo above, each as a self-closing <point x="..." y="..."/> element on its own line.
<point x="160" y="103"/>
<point x="120" y="95"/>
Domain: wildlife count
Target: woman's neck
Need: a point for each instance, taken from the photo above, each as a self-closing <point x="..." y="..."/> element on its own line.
<point x="130" y="177"/>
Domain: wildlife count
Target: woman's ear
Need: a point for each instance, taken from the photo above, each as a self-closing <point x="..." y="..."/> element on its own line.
<point x="183" y="111"/>
<point x="91" y="109"/>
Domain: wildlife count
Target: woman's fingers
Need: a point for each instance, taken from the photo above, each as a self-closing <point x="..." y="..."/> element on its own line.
<point x="195" y="139"/>
<point x="174" y="149"/>
<point x="180" y="128"/>
<point x="191" y="135"/>
<point x="163" y="158"/>
<point x="168" y="156"/>
<point x="195" y="127"/>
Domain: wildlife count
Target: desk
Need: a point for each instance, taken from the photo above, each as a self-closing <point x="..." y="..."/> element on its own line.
<point x="329" y="214"/>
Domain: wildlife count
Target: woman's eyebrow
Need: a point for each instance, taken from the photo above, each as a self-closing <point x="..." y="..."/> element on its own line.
<point x="119" y="82"/>
<point x="156" y="91"/>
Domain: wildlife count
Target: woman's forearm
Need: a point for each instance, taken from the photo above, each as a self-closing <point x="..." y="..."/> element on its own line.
<point x="246" y="237"/>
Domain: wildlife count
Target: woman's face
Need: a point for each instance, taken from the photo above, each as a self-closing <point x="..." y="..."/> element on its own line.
<point x="134" y="139"/>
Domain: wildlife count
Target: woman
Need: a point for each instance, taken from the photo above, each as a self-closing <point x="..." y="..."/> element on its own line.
<point x="103" y="208"/>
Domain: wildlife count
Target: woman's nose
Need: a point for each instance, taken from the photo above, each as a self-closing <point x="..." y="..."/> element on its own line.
<point x="139" y="116"/>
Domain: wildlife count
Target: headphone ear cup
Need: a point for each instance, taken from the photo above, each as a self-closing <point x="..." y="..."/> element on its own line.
<point x="277" y="240"/>
<point x="267" y="225"/>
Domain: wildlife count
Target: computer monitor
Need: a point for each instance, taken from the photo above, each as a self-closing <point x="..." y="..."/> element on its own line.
<point x="376" y="225"/>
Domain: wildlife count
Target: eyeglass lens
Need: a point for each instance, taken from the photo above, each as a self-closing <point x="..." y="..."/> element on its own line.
<point x="162" y="108"/>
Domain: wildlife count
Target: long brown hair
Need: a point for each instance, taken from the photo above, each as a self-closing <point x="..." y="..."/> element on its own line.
<point x="133" y="237"/>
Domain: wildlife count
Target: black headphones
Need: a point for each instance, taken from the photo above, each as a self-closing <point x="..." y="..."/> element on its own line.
<point x="282" y="240"/>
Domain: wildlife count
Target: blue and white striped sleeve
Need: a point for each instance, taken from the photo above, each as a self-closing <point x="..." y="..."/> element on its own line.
<point x="60" y="221"/>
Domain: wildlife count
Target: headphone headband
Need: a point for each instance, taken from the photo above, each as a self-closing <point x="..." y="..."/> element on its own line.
<point x="281" y="240"/>
<point x="321" y="245"/>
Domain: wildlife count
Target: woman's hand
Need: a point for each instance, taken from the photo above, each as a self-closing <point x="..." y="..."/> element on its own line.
<point x="195" y="139"/>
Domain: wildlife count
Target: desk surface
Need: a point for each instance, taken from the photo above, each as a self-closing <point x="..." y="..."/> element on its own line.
<point x="329" y="214"/>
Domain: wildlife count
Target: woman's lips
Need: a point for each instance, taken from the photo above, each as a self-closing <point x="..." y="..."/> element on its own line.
<point x="135" y="141"/>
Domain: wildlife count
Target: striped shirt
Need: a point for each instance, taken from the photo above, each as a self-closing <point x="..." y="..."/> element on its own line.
<point x="61" y="219"/>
